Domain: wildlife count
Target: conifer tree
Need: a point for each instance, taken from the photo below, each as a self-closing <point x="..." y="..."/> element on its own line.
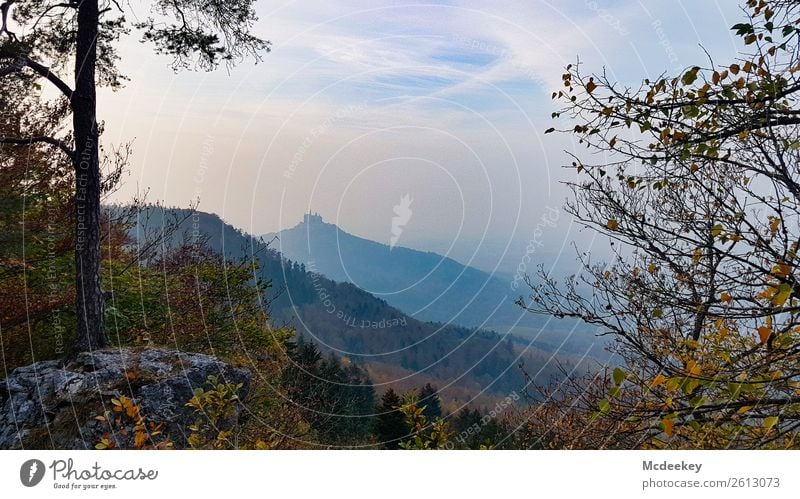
<point x="390" y="427"/>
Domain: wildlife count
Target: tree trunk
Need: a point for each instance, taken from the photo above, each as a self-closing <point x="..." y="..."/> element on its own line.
<point x="89" y="295"/>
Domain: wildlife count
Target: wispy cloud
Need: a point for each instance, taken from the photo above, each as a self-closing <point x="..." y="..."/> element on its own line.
<point x="463" y="85"/>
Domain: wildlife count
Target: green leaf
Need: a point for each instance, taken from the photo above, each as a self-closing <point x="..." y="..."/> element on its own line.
<point x="690" y="76"/>
<point x="742" y="28"/>
<point x="697" y="401"/>
<point x="783" y="294"/>
<point x="735" y="389"/>
<point x="604" y="406"/>
<point x="690" y="385"/>
<point x="618" y="376"/>
<point x="770" y="421"/>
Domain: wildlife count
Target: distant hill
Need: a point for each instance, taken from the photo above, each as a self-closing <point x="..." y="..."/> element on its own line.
<point x="425" y="285"/>
<point x="398" y="350"/>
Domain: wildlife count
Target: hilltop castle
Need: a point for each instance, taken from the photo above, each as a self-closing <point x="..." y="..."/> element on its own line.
<point x="312" y="218"/>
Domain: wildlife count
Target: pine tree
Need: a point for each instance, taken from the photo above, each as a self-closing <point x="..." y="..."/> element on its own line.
<point x="390" y="427"/>
<point x="429" y="397"/>
<point x="73" y="46"/>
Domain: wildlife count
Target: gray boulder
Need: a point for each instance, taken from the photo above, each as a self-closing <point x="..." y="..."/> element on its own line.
<point x="48" y="405"/>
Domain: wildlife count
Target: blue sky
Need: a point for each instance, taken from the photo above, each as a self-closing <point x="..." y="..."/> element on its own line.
<point x="362" y="102"/>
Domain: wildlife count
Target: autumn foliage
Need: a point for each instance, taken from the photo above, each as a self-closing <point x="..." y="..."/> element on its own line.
<point x="699" y="193"/>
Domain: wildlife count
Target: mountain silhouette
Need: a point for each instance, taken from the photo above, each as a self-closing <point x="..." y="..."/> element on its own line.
<point x="425" y="285"/>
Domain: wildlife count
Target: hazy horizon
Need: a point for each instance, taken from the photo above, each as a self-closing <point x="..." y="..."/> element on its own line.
<point x="361" y="104"/>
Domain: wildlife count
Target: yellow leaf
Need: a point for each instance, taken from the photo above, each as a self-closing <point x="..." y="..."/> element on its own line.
<point x="783" y="294"/>
<point x="770" y="421"/>
<point x="781" y="270"/>
<point x="725" y="297"/>
<point x="612" y="224"/>
<point x="744" y="409"/>
<point x="139" y="439"/>
<point x="132" y="411"/>
<point x="763" y="333"/>
<point x="673" y="384"/>
<point x="698" y="253"/>
<point x="668" y="426"/>
<point x="768" y="293"/>
<point x="658" y="380"/>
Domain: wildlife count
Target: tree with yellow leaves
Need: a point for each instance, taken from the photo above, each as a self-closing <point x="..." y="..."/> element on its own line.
<point x="699" y="192"/>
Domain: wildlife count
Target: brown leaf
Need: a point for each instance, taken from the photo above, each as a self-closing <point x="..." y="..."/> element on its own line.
<point x="763" y="333"/>
<point x="668" y="426"/>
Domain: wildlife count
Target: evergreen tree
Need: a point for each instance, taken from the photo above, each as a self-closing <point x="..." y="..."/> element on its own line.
<point x="337" y="400"/>
<point x="476" y="430"/>
<point x="429" y="397"/>
<point x="390" y="427"/>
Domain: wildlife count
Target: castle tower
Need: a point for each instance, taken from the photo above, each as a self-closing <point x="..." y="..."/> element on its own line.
<point x="312" y="218"/>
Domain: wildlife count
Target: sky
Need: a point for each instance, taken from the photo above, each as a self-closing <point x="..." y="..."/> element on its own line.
<point x="361" y="103"/>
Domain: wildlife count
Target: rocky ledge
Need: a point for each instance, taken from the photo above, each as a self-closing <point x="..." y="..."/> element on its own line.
<point x="53" y="405"/>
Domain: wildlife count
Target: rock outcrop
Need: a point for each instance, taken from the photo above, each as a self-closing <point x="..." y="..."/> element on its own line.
<point x="56" y="405"/>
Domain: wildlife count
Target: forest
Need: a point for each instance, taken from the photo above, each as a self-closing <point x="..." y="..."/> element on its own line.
<point x="692" y="177"/>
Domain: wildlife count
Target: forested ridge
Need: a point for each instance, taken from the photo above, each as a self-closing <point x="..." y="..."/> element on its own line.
<point x="341" y="318"/>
